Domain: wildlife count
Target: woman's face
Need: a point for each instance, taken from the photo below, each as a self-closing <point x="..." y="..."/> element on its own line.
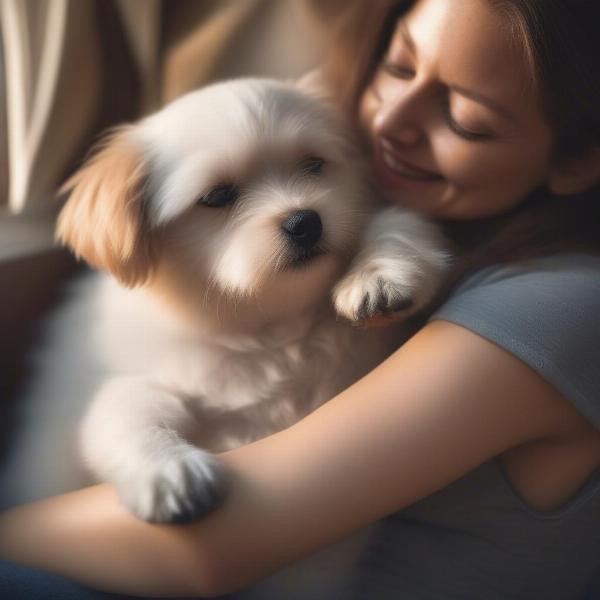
<point x="455" y="129"/>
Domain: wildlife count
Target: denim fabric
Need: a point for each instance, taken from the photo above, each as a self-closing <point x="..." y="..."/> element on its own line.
<point x="23" y="583"/>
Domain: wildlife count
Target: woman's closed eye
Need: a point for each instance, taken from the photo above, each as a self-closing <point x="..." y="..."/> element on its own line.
<point x="398" y="70"/>
<point x="466" y="133"/>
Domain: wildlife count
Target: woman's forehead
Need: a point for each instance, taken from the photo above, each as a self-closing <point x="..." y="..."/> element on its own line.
<point x="469" y="45"/>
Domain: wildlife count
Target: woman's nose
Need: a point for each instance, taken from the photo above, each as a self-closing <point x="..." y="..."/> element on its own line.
<point x="401" y="118"/>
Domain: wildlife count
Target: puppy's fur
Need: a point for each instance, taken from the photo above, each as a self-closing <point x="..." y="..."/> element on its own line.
<point x="236" y="226"/>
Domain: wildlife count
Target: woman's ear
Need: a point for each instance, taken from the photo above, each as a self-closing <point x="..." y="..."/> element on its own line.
<point x="103" y="220"/>
<point x="577" y="175"/>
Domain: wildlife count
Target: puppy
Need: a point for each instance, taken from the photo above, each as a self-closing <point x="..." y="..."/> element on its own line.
<point x="234" y="228"/>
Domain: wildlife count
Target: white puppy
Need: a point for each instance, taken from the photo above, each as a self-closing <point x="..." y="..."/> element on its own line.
<point x="236" y="222"/>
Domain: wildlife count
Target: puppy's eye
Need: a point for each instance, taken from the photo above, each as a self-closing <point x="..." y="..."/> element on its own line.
<point x="312" y="165"/>
<point x="220" y="196"/>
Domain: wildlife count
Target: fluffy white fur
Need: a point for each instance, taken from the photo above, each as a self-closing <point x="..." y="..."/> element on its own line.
<point x="213" y="326"/>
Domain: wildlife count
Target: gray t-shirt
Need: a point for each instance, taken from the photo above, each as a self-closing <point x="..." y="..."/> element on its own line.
<point x="477" y="539"/>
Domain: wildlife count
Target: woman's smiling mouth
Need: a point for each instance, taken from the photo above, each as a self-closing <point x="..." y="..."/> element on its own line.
<point x="391" y="166"/>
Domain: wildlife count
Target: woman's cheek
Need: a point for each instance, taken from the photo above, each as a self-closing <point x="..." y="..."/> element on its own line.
<point x="490" y="181"/>
<point x="367" y="108"/>
<point x="474" y="163"/>
<point x="456" y="160"/>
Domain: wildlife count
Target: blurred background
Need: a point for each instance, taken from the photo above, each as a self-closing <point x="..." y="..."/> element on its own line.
<point x="71" y="68"/>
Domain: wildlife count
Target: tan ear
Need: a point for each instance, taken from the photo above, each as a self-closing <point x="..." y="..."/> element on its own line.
<point x="103" y="219"/>
<point x="576" y="176"/>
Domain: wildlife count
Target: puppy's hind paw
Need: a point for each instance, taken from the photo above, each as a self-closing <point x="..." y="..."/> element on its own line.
<point x="178" y="487"/>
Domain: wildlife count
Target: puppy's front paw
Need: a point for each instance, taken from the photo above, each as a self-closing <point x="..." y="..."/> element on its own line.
<point x="178" y="487"/>
<point x="366" y="293"/>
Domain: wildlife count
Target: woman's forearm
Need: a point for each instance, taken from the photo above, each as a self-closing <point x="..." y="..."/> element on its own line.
<point x="89" y="537"/>
<point x="407" y="429"/>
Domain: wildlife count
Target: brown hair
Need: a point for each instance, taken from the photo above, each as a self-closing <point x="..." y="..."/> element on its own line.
<point x="562" y="49"/>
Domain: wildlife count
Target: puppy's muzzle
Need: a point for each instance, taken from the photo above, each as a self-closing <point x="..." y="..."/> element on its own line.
<point x="303" y="231"/>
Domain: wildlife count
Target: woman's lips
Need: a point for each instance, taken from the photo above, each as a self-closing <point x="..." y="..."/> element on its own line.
<point x="392" y="166"/>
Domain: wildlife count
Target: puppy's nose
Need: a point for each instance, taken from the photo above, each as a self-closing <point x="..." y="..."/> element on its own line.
<point x="304" y="228"/>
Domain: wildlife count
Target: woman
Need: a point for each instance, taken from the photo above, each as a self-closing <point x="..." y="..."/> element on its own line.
<point x="479" y="438"/>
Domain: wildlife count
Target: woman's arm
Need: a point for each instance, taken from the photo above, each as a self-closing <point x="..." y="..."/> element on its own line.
<point x="442" y="404"/>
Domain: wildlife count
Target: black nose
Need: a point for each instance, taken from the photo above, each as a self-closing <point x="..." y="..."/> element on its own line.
<point x="304" y="228"/>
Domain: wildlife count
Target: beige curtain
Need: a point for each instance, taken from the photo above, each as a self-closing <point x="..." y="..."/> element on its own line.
<point x="73" y="67"/>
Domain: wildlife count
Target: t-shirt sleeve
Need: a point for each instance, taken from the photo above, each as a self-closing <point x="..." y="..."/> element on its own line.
<point x="547" y="313"/>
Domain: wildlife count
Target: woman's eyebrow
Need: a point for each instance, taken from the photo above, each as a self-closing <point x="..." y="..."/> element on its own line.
<point x="477" y="97"/>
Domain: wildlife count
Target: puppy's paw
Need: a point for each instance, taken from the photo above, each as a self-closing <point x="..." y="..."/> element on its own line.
<point x="178" y="487"/>
<point x="366" y="293"/>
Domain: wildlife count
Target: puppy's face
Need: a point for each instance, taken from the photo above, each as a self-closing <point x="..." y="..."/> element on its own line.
<point x="248" y="189"/>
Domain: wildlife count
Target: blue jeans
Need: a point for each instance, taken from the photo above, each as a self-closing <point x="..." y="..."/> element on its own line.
<point x="22" y="583"/>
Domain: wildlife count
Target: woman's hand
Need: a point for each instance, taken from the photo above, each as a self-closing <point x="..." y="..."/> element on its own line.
<point x="442" y="404"/>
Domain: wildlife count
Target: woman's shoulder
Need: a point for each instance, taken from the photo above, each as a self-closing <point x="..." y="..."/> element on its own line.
<point x="546" y="312"/>
<point x="566" y="285"/>
<point x="547" y="271"/>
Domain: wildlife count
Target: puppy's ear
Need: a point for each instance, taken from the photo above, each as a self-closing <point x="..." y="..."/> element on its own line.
<point x="103" y="220"/>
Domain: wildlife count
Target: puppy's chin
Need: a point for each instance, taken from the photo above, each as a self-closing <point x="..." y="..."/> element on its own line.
<point x="303" y="285"/>
<point x="303" y="259"/>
